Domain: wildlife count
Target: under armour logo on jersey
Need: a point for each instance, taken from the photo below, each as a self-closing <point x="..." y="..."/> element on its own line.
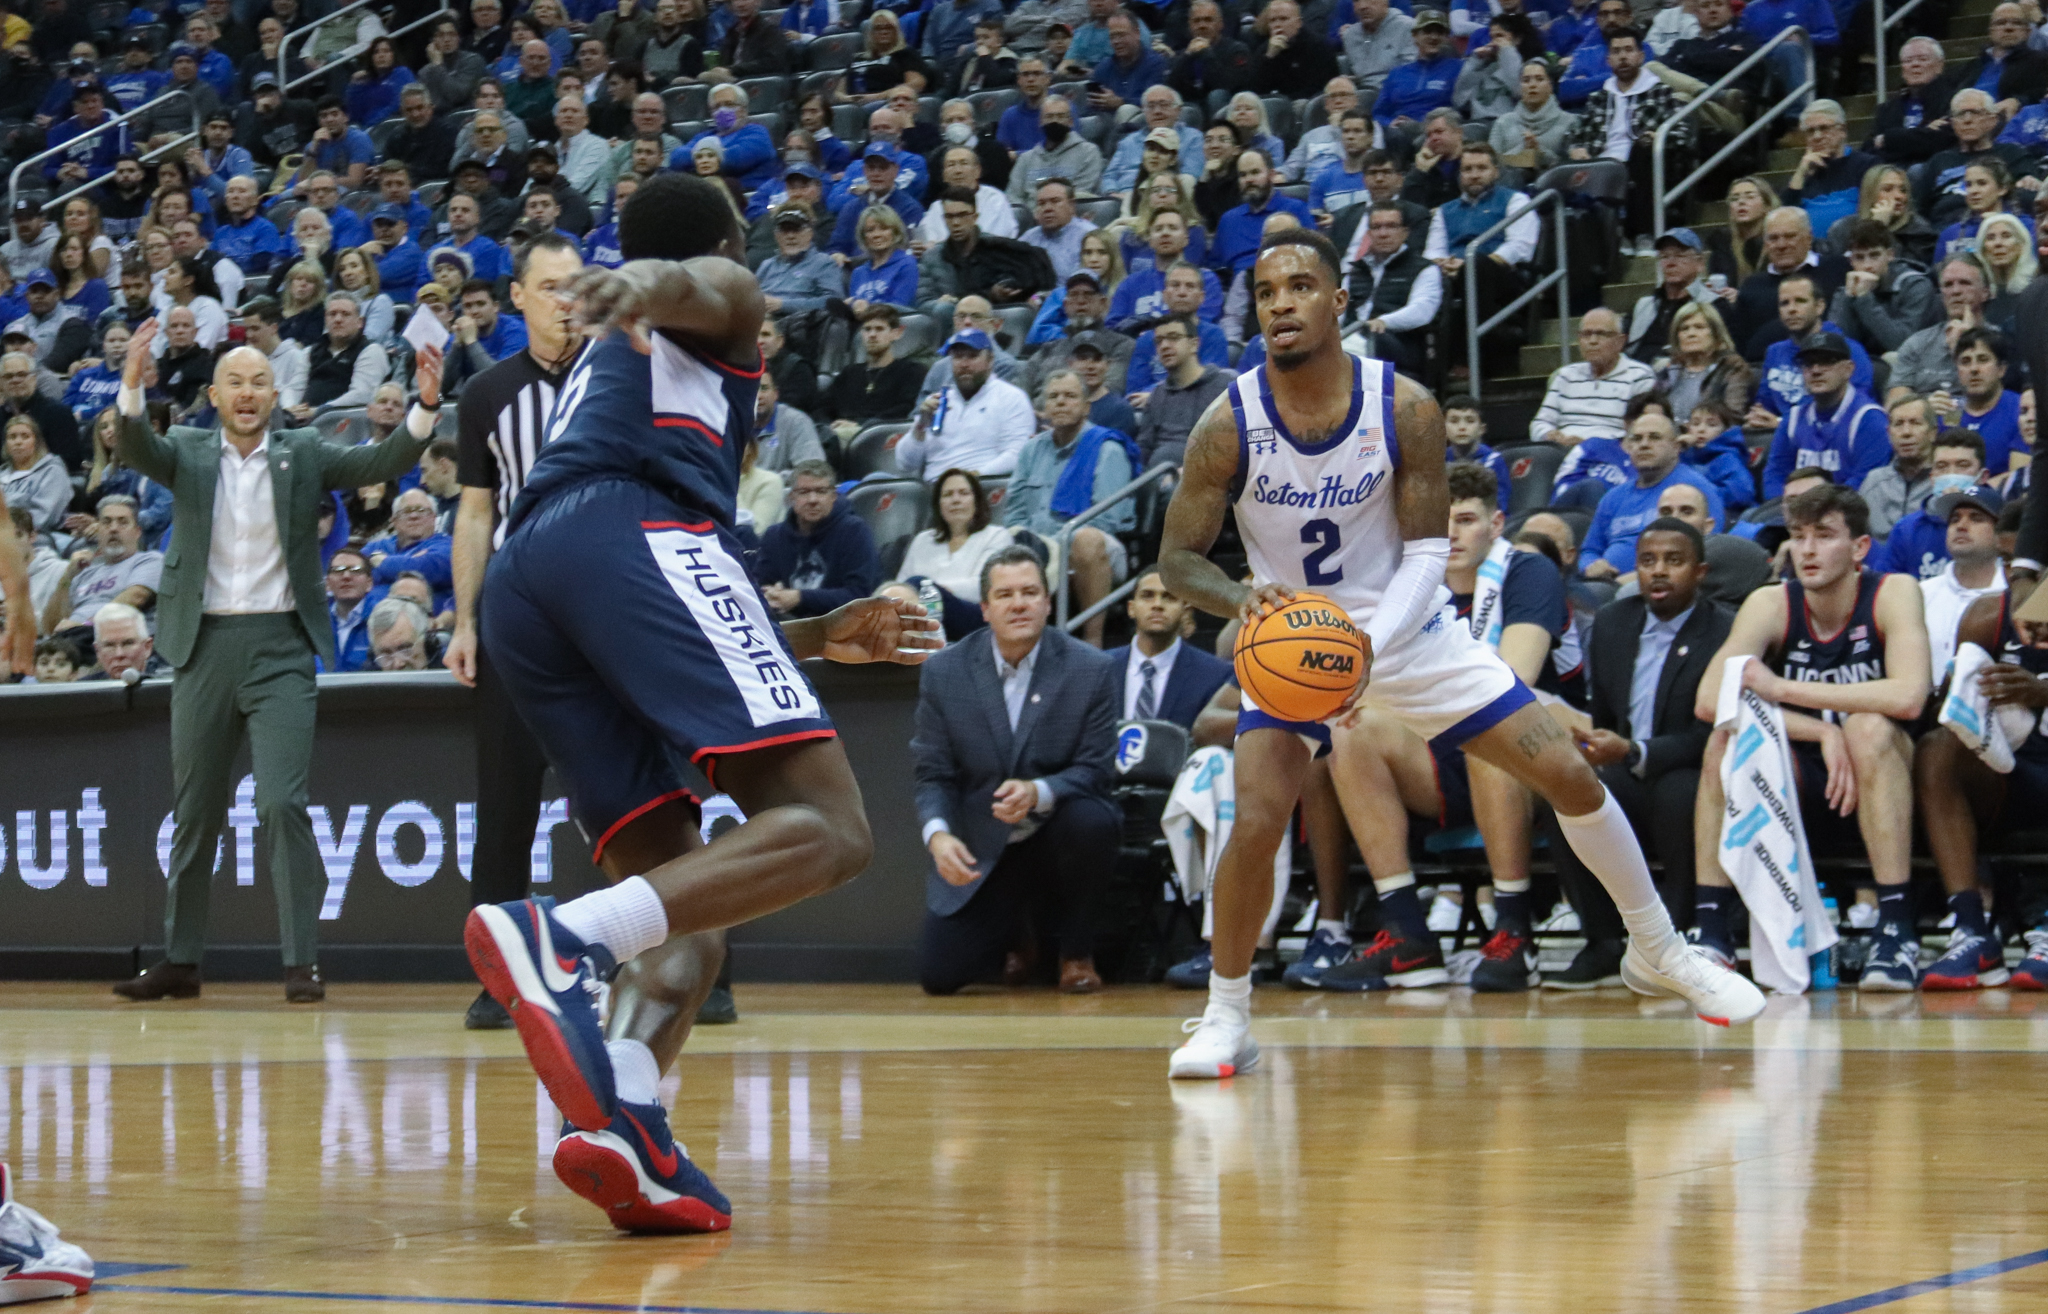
<point x="1263" y="442"/>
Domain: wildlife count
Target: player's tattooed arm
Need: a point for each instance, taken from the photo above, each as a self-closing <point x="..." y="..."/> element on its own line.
<point x="1195" y="517"/>
<point x="710" y="301"/>
<point x="1422" y="493"/>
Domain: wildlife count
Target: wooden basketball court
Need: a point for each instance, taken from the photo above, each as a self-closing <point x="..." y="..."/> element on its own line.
<point x="1430" y="1151"/>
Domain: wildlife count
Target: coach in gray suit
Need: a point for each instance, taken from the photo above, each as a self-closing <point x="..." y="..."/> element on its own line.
<point x="1015" y="735"/>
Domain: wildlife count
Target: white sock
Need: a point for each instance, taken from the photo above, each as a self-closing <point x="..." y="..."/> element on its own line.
<point x="635" y="1074"/>
<point x="1511" y="887"/>
<point x="1334" y="929"/>
<point x="1394" y="882"/>
<point x="626" y="919"/>
<point x="1607" y="845"/>
<point x="1236" y="991"/>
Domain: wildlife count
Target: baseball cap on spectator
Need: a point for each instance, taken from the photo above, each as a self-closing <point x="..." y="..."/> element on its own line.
<point x="183" y="51"/>
<point x="1984" y="497"/>
<point x="879" y="151"/>
<point x="539" y="149"/>
<point x="472" y="165"/>
<point x="1088" y="276"/>
<point x="973" y="339"/>
<point x="1823" y="346"/>
<point x="803" y="169"/>
<point x="84" y="89"/>
<point x="81" y="68"/>
<point x="1163" y="137"/>
<point x="26" y="207"/>
<point x="1068" y="28"/>
<point x="263" y="80"/>
<point x="1091" y="342"/>
<point x="39" y="278"/>
<point x="1684" y="237"/>
<point x="792" y="216"/>
<point x="389" y="213"/>
<point x="1430" y="18"/>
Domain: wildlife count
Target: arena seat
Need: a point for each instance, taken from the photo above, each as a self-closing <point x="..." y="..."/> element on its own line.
<point x="836" y="51"/>
<point x="688" y="102"/>
<point x="873" y="450"/>
<point x="989" y="105"/>
<point x="1143" y="900"/>
<point x="893" y="510"/>
<point x="1530" y="471"/>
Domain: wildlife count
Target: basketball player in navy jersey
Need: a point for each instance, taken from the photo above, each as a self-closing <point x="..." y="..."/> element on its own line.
<point x="630" y="638"/>
<point x="1335" y="469"/>
<point x="1958" y="792"/>
<point x="1843" y="650"/>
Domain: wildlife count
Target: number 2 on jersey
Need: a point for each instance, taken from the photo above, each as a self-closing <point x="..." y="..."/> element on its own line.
<point x="1326" y="534"/>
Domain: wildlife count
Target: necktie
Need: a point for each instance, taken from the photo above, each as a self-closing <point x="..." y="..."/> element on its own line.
<point x="1148" y="698"/>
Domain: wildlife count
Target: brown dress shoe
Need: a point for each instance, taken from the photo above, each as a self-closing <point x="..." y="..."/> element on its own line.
<point x="164" y="981"/>
<point x="302" y="985"/>
<point x="1078" y="976"/>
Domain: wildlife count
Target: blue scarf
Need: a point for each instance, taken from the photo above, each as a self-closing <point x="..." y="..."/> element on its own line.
<point x="1075" y="491"/>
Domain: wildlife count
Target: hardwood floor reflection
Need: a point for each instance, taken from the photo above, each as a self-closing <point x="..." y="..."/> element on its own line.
<point x="1531" y="1155"/>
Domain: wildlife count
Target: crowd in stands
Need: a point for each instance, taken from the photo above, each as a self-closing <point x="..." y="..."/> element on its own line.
<point x="1006" y="247"/>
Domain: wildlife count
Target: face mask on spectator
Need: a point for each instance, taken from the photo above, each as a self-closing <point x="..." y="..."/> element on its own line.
<point x="796" y="157"/>
<point x="726" y="119"/>
<point x="1949" y="483"/>
<point x="1055" y="133"/>
<point x="959" y="134"/>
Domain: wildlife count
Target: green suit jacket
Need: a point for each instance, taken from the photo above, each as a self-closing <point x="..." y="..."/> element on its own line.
<point x="303" y="468"/>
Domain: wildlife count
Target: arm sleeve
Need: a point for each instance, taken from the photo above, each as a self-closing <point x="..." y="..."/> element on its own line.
<point x="1437" y="245"/>
<point x="1518" y="243"/>
<point x="1410" y="594"/>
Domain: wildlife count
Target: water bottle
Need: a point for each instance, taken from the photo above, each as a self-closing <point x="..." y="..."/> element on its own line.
<point x="934" y="605"/>
<point x="1820" y="967"/>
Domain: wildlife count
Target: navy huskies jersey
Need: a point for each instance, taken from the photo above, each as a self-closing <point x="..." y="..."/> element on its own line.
<point x="675" y="420"/>
<point x="1852" y="655"/>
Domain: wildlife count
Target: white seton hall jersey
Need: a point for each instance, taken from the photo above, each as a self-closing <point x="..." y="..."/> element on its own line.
<point x="1322" y="517"/>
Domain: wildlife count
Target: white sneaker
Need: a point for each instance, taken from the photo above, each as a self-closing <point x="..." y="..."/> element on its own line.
<point x="1444" y="914"/>
<point x="35" y="1263"/>
<point x="1717" y="995"/>
<point x="1219" y="1044"/>
<point x="1561" y="918"/>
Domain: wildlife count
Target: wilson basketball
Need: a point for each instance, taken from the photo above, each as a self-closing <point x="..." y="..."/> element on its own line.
<point x="1302" y="661"/>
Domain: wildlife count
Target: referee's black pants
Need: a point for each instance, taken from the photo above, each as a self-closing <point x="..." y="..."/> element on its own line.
<point x="509" y="767"/>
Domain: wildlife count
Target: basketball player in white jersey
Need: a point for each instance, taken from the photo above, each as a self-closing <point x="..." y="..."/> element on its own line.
<point x="1336" y="468"/>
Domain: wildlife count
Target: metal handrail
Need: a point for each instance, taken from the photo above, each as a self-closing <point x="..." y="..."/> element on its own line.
<point x="1560" y="277"/>
<point x="305" y="35"/>
<point x="175" y="146"/>
<point x="1882" y="24"/>
<point x="115" y="121"/>
<point x="1065" y="539"/>
<point x="1660" y="196"/>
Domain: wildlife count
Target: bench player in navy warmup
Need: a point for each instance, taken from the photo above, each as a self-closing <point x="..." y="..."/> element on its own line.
<point x="631" y="636"/>
<point x="1335" y="468"/>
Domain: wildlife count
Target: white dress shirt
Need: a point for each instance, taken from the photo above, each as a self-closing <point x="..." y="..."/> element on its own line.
<point x="1517" y="244"/>
<point x="1944" y="599"/>
<point x="1134" y="678"/>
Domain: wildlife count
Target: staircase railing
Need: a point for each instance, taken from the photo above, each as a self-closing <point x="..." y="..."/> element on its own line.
<point x="1663" y="195"/>
<point x="1883" y="24"/>
<point x="1559" y="277"/>
<point x="113" y="124"/>
<point x="1065" y="539"/>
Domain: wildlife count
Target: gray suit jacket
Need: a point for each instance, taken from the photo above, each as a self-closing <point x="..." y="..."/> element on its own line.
<point x="303" y="467"/>
<point x="964" y="747"/>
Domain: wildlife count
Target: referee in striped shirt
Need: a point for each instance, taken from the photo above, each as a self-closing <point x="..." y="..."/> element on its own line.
<point x="502" y="424"/>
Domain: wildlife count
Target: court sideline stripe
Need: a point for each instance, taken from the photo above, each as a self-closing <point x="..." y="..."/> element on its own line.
<point x="1926" y="1285"/>
<point x="461" y="1302"/>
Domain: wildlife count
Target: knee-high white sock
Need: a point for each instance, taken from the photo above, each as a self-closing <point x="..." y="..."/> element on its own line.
<point x="635" y="1074"/>
<point x="1607" y="844"/>
<point x="626" y="919"/>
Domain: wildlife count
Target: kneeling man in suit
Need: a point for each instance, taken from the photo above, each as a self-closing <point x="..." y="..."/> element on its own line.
<point x="1015" y="735"/>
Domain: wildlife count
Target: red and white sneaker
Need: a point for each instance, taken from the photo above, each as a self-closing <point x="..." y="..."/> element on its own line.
<point x="36" y="1263"/>
<point x="638" y="1173"/>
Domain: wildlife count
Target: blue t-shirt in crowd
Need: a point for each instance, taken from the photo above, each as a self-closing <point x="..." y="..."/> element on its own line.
<point x="488" y="260"/>
<point x="506" y="337"/>
<point x="1144" y="373"/>
<point x="1624" y="513"/>
<point x="1142" y="295"/>
<point x="1240" y="229"/>
<point x="894" y="281"/>
<point x="1334" y="188"/>
<point x="253" y="245"/>
<point x="602" y="246"/>
<point x="2001" y="429"/>
<point x="1785" y="387"/>
<point x="402" y="269"/>
<point x="1604" y="459"/>
<point x="1918" y="546"/>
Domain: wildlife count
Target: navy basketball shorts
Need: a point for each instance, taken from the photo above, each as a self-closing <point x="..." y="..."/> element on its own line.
<point x="631" y="637"/>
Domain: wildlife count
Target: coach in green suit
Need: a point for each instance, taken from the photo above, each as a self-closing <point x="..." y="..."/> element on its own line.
<point x="241" y="611"/>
